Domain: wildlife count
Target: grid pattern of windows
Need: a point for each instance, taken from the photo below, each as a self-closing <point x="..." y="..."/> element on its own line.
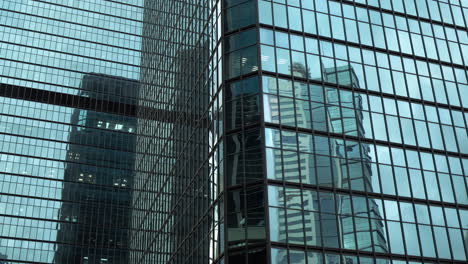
<point x="69" y="82"/>
<point x="361" y="107"/>
<point x="361" y="24"/>
<point x="297" y="103"/>
<point x="355" y="222"/>
<point x="334" y="162"/>
<point x="234" y="131"/>
<point x="364" y="116"/>
<point x="179" y="198"/>
<point x="375" y="71"/>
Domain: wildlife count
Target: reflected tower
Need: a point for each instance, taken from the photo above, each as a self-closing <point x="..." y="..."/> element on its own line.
<point x="354" y="163"/>
<point x="349" y="167"/>
<point x="174" y="217"/>
<point x="97" y="197"/>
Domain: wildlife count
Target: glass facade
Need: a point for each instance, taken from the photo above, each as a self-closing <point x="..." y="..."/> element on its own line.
<point x="345" y="129"/>
<point x="178" y="197"/>
<point x="234" y="131"/>
<point x="69" y="83"/>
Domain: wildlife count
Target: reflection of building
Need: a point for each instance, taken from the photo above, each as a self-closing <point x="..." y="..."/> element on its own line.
<point x="354" y="163"/>
<point x="348" y="167"/>
<point x="192" y="171"/>
<point x="177" y="163"/>
<point x="191" y="143"/>
<point x="97" y="196"/>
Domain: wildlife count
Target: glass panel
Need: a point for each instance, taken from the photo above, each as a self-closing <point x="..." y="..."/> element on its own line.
<point x="279" y="256"/>
<point x="265" y="12"/>
<point x="239" y="16"/>
<point x="427" y="241"/>
<point x="456" y="243"/>
<point x="277" y="224"/>
<point x="443" y="249"/>
<point x="280" y="17"/>
<point x="411" y="239"/>
<point x="268" y="58"/>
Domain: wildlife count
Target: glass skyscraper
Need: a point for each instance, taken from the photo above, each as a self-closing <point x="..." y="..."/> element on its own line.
<point x="234" y="131"/>
<point x="69" y="84"/>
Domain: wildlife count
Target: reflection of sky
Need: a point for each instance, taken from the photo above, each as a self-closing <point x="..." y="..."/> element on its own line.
<point x="113" y="52"/>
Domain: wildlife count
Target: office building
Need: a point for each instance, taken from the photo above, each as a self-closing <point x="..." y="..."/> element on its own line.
<point x="263" y="131"/>
<point x="381" y="144"/>
<point x="69" y="87"/>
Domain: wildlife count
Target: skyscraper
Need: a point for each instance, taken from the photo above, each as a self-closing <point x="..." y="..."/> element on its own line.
<point x="69" y="83"/>
<point x="249" y="131"/>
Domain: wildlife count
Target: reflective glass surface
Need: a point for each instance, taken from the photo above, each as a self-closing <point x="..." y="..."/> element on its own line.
<point x="234" y="131"/>
<point x="69" y="82"/>
<point x="364" y="109"/>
